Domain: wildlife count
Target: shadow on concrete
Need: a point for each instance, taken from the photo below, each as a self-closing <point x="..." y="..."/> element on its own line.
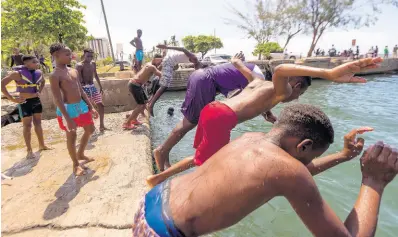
<point x="90" y="144"/>
<point x="24" y="166"/>
<point x="66" y="193"/>
<point x="141" y="130"/>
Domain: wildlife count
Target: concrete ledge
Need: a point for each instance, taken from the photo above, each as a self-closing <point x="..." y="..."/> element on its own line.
<point x="46" y="199"/>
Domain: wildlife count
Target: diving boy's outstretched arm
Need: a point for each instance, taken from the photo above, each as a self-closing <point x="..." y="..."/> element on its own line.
<point x="342" y="74"/>
<point x="352" y="148"/>
<point x="378" y="169"/>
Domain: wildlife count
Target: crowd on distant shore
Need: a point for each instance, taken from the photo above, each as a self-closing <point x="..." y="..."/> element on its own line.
<point x="355" y="54"/>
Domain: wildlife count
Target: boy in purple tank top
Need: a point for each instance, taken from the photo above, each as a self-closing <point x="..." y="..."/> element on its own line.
<point x="203" y="84"/>
<point x="30" y="83"/>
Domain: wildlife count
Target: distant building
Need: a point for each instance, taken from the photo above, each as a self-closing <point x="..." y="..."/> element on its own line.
<point x="101" y="47"/>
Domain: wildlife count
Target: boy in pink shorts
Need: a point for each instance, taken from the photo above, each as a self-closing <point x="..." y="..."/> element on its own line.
<point x="74" y="109"/>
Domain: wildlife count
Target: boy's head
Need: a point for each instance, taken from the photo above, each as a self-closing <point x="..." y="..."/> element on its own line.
<point x="30" y="62"/>
<point x="139" y="33"/>
<point x="61" y="53"/>
<point x="170" y="111"/>
<point x="88" y="55"/>
<point x="157" y="60"/>
<point x="299" y="86"/>
<point x="305" y="131"/>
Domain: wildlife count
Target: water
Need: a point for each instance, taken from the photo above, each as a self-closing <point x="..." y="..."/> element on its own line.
<point x="349" y="106"/>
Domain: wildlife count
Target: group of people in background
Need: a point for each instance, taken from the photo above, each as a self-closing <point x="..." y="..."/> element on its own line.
<point x="354" y="54"/>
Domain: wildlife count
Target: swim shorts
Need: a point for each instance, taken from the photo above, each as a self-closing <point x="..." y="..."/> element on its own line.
<point x="29" y="107"/>
<point x="138" y="92"/>
<point x="92" y="93"/>
<point x="153" y="218"/>
<point x="139" y="54"/>
<point x="167" y="72"/>
<point x="214" y="130"/>
<point x="79" y="112"/>
<point x="201" y="90"/>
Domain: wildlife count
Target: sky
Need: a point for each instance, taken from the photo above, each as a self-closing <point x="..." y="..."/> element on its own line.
<point x="160" y="19"/>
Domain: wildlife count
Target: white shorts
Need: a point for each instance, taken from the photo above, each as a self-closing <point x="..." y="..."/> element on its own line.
<point x="257" y="73"/>
<point x="167" y="72"/>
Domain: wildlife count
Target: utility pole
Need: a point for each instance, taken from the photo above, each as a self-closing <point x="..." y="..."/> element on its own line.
<point x="107" y="29"/>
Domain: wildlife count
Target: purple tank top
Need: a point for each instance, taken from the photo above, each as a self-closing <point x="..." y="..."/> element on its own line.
<point x="30" y="79"/>
<point x="228" y="78"/>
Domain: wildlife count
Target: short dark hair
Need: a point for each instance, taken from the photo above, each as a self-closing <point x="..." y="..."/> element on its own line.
<point x="305" y="81"/>
<point x="57" y="47"/>
<point x="88" y="50"/>
<point x="306" y="122"/>
<point x="139" y="30"/>
<point x="157" y="56"/>
<point x="27" y="57"/>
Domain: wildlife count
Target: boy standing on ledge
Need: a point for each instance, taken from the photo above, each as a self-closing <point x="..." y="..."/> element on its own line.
<point x="73" y="106"/>
<point x="87" y="70"/>
<point x="139" y="49"/>
<point x="30" y="83"/>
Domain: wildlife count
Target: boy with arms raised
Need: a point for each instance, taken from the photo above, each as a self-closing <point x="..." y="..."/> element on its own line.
<point x="218" y="118"/>
<point x="30" y="83"/>
<point x="255" y="168"/>
<point x="87" y="70"/>
<point x="74" y="109"/>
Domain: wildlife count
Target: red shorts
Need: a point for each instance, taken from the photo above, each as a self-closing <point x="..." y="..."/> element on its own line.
<point x="81" y="121"/>
<point x="214" y="130"/>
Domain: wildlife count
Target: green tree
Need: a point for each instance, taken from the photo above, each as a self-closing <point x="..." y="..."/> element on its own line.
<point x="267" y="48"/>
<point x="201" y="43"/>
<point x="322" y="15"/>
<point x="28" y="24"/>
<point x="259" y="23"/>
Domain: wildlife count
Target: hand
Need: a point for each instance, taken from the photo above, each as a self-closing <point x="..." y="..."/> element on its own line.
<point x="270" y="117"/>
<point x="345" y="72"/>
<point x="352" y="146"/>
<point x="161" y="46"/>
<point x="18" y="100"/>
<point x="70" y="125"/>
<point x="238" y="57"/>
<point x="94" y="113"/>
<point x="379" y="164"/>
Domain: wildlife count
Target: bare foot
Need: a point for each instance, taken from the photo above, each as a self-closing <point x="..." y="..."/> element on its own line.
<point x="45" y="148"/>
<point x="157" y="153"/>
<point x="85" y="159"/>
<point x="30" y="155"/>
<point x="78" y="171"/>
<point x="151" y="181"/>
<point x="102" y="129"/>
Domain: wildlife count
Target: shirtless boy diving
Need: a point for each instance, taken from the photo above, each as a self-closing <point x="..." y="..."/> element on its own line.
<point x="87" y="70"/>
<point x="30" y="83"/>
<point x="255" y="168"/>
<point x="73" y="106"/>
<point x="173" y="57"/>
<point x="136" y="89"/>
<point x="203" y="84"/>
<point x="218" y="118"/>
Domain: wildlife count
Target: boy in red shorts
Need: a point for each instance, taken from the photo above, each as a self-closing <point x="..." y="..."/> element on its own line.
<point x="72" y="110"/>
<point x="217" y="119"/>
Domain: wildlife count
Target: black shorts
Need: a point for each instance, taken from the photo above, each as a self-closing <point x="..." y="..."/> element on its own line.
<point x="138" y="93"/>
<point x="30" y="107"/>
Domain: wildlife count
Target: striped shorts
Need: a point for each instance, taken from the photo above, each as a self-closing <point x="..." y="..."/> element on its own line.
<point x="93" y="93"/>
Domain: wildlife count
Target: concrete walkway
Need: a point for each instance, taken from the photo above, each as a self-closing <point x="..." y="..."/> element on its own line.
<point x="46" y="199"/>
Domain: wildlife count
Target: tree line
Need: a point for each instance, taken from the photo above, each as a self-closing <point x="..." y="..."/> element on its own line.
<point x="274" y="19"/>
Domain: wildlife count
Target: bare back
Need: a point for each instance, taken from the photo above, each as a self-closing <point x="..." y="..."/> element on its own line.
<point x="145" y="73"/>
<point x="86" y="71"/>
<point x="229" y="186"/>
<point x="257" y="97"/>
<point x="68" y="84"/>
